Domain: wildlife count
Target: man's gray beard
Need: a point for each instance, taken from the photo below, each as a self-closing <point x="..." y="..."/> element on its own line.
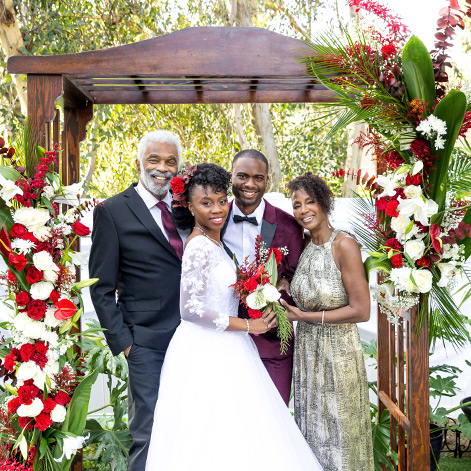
<point x="155" y="188"/>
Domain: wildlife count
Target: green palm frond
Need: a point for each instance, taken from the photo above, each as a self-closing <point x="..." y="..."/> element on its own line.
<point x="367" y="237"/>
<point x="446" y="322"/>
<point x="459" y="173"/>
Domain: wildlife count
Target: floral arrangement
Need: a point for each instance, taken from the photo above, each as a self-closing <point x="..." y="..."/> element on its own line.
<point x="419" y="235"/>
<point x="44" y="410"/>
<point x="179" y="186"/>
<point x="256" y="288"/>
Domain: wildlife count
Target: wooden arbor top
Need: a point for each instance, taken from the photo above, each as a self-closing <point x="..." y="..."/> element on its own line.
<point x="192" y="65"/>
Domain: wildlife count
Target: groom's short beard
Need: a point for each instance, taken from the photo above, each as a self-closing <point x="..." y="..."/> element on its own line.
<point x="156" y="188"/>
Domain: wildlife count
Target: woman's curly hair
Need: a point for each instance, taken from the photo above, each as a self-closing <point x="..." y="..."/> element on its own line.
<point x="205" y="175"/>
<point x="316" y="188"/>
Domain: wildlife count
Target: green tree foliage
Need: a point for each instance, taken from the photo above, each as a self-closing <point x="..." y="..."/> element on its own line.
<point x="207" y="131"/>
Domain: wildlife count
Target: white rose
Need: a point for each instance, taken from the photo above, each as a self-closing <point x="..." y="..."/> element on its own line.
<point x="414" y="248"/>
<point x="431" y="208"/>
<point x="58" y="413"/>
<point x="50" y="320"/>
<point x="399" y="224"/>
<point x="51" y="368"/>
<point x="447" y="270"/>
<point x="51" y="274"/>
<point x="27" y="371"/>
<point x="32" y="218"/>
<point x="413" y="191"/>
<point x="256" y="300"/>
<point x="29" y="327"/>
<point x="401" y="278"/>
<point x="42" y="233"/>
<point x="270" y="293"/>
<point x="423" y="281"/>
<point x="39" y="379"/>
<point x="43" y="260"/>
<point x="32" y="410"/>
<point x="41" y="290"/>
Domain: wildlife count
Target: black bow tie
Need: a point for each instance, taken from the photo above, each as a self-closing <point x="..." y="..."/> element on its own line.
<point x="251" y="220"/>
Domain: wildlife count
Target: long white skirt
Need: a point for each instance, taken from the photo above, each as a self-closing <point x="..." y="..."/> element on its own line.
<point x="218" y="409"/>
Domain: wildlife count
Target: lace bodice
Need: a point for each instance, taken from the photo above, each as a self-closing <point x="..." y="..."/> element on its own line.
<point x="206" y="297"/>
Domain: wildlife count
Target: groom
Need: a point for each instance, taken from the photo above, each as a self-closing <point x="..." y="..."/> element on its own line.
<point x="251" y="215"/>
<point x="136" y="254"/>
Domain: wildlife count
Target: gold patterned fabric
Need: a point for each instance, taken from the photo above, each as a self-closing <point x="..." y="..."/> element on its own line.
<point x="331" y="402"/>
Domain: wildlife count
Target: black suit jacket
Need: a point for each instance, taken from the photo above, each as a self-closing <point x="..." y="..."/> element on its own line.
<point x="131" y="256"/>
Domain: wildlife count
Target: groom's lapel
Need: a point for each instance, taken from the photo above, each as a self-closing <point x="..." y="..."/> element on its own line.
<point x="140" y="210"/>
<point x="269" y="225"/>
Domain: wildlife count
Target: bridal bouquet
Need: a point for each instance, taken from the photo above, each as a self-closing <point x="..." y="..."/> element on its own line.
<point x="43" y="410"/>
<point x="419" y="236"/>
<point x="256" y="288"/>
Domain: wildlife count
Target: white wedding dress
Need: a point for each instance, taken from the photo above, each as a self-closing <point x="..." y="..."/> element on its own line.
<point x="218" y="409"/>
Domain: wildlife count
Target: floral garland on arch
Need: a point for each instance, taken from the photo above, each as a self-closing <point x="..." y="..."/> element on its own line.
<point x="416" y="222"/>
<point x="43" y="414"/>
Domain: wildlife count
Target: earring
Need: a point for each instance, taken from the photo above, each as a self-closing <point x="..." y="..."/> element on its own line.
<point x="192" y="213"/>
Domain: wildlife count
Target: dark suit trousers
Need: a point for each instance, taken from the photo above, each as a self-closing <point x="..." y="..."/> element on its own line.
<point x="145" y="365"/>
<point x="281" y="372"/>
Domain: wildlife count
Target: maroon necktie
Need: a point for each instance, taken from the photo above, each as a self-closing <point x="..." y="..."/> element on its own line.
<point x="172" y="233"/>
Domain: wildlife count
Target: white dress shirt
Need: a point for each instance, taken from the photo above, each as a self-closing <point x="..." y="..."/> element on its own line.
<point x="151" y="201"/>
<point x="240" y="236"/>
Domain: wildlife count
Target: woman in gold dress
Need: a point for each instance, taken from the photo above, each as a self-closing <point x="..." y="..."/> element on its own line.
<point x="330" y="288"/>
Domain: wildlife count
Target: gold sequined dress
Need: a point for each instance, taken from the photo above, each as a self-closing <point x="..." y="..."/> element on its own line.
<point x="331" y="402"/>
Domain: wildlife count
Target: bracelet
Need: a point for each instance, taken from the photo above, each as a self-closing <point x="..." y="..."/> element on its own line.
<point x="323" y="315"/>
<point x="248" y="326"/>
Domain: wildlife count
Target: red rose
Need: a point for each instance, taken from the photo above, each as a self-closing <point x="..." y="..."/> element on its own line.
<point x="80" y="229"/>
<point x="62" y="398"/>
<point x="23" y="298"/>
<point x="17" y="230"/>
<point x="391" y="209"/>
<point x="30" y="236"/>
<point x="27" y="393"/>
<point x="49" y="405"/>
<point x="13" y="405"/>
<point x="277" y="254"/>
<point x="177" y="185"/>
<point x="396" y="260"/>
<point x="18" y="261"/>
<point x="26" y="422"/>
<point x="255" y="313"/>
<point x="39" y="359"/>
<point x="26" y="351"/>
<point x="54" y="296"/>
<point x="65" y="309"/>
<point x="11" y="277"/>
<point x="33" y="275"/>
<point x="250" y="285"/>
<point x="36" y="309"/>
<point x="43" y="421"/>
<point x="41" y="347"/>
<point x="414" y="179"/>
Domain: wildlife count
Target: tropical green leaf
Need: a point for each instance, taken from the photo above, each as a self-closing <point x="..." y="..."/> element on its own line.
<point x="418" y="72"/>
<point x="451" y="110"/>
<point x="10" y="173"/>
<point x="382" y="452"/>
<point x="76" y="416"/>
<point x="271" y="268"/>
<point x="375" y="264"/>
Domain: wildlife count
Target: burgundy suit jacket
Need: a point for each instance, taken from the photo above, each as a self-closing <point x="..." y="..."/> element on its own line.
<point x="279" y="229"/>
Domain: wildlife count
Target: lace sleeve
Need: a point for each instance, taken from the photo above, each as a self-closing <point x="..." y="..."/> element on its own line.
<point x="197" y="291"/>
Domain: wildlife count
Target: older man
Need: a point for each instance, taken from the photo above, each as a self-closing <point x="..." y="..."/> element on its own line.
<point x="136" y="254"/>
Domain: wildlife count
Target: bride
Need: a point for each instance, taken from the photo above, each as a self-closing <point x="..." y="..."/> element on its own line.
<point x="218" y="408"/>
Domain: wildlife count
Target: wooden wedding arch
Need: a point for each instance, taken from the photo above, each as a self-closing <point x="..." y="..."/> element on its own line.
<point x="219" y="65"/>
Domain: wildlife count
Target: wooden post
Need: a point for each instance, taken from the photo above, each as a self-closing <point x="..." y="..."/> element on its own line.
<point x="418" y="395"/>
<point x="43" y="90"/>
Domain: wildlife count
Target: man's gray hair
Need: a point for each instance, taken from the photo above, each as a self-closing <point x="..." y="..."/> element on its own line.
<point x="160" y="135"/>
